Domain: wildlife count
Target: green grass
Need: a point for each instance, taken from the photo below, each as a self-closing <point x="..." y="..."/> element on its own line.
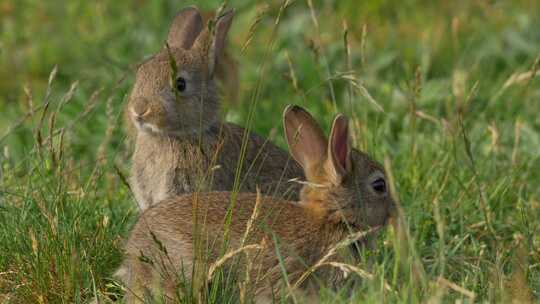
<point x="462" y="141"/>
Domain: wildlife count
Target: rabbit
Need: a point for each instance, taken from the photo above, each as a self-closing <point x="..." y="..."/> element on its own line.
<point x="345" y="192"/>
<point x="181" y="144"/>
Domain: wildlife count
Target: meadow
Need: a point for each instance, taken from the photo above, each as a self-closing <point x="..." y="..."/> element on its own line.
<point x="445" y="93"/>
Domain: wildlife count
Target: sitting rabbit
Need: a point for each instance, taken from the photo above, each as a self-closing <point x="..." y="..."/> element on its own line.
<point x="181" y="144"/>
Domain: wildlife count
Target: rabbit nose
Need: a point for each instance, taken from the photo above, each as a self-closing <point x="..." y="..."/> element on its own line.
<point x="140" y="109"/>
<point x="140" y="114"/>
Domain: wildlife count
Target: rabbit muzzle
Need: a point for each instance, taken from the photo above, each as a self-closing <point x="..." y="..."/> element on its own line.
<point x="147" y="115"/>
<point x="140" y="108"/>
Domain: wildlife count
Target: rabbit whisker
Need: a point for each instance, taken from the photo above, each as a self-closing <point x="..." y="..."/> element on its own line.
<point x="310" y="184"/>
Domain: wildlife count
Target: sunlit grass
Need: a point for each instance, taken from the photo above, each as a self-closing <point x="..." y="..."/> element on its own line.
<point x="446" y="94"/>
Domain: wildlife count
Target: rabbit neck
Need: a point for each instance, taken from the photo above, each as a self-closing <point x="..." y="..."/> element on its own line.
<point x="165" y="166"/>
<point x="325" y="202"/>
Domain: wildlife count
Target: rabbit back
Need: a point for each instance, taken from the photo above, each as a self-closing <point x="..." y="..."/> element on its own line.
<point x="164" y="238"/>
<point x="167" y="166"/>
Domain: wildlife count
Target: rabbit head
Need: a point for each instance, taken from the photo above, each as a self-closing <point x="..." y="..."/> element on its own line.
<point x="175" y="91"/>
<point x="343" y="185"/>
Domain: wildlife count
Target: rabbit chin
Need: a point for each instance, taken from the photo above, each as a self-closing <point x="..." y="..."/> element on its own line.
<point x="152" y="129"/>
<point x="149" y="128"/>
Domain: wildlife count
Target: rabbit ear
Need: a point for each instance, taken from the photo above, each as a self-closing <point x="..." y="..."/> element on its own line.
<point x="339" y="149"/>
<point x="185" y="28"/>
<point x="305" y="138"/>
<point x="219" y="37"/>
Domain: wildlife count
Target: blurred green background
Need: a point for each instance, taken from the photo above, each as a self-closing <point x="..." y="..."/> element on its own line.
<point x="452" y="44"/>
<point x="447" y="91"/>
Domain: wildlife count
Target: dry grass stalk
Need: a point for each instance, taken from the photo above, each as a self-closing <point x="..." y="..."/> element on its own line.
<point x="352" y="238"/>
<point x="523" y="78"/>
<point x="356" y="84"/>
<point x="253" y="217"/>
<point x="318" y="42"/>
<point x="292" y="74"/>
<point x="517" y="134"/>
<point x="439" y="291"/>
<point x="253" y="27"/>
<point x="243" y="286"/>
<point x="494" y="137"/>
<point x="445" y="283"/>
<point x="363" y="45"/>
<point x="111" y="126"/>
<point x="427" y="117"/>
<point x="346" y="268"/>
<point x="484" y="206"/>
<point x="46" y="103"/>
<point x="520" y="78"/>
<point x="348" y="64"/>
<point x="90" y="105"/>
<point x="217" y="264"/>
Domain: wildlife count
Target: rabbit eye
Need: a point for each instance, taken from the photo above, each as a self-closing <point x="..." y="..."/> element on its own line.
<point x="180" y="84"/>
<point x="379" y="185"/>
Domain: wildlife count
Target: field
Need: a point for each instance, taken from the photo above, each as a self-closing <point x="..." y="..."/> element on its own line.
<point x="445" y="93"/>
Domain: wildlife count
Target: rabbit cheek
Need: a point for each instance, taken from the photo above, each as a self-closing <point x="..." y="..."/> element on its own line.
<point x="170" y="111"/>
<point x="376" y="215"/>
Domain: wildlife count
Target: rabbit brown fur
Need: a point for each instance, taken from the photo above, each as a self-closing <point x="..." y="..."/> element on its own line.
<point x="345" y="192"/>
<point x="181" y="144"/>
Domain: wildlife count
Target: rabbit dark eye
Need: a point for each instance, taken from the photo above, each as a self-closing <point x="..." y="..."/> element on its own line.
<point x="379" y="185"/>
<point x="180" y="84"/>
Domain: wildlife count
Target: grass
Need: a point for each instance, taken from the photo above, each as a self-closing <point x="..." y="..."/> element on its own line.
<point x="446" y="93"/>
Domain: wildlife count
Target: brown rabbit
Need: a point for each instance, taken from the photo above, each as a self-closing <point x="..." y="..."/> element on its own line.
<point x="181" y="144"/>
<point x="345" y="192"/>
